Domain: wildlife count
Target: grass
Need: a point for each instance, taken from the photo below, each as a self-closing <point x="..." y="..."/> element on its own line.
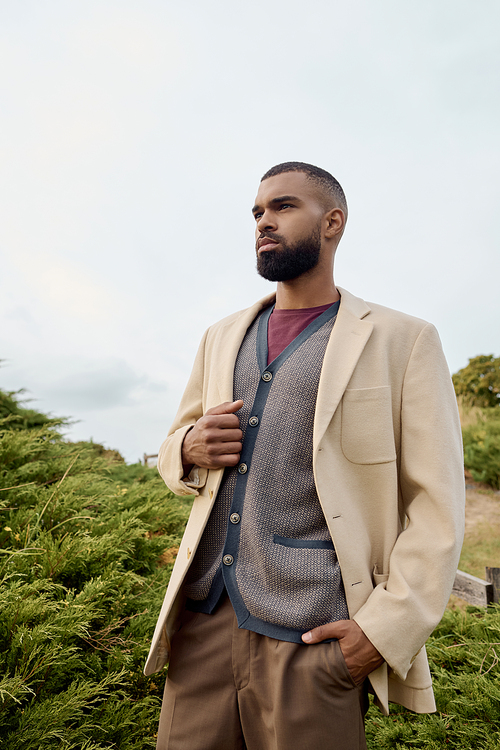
<point x="482" y="537"/>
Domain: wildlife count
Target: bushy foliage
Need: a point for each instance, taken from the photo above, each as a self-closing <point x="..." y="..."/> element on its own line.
<point x="20" y="417"/>
<point x="478" y="384"/>
<point x="478" y="391"/>
<point x="464" y="658"/>
<point x="86" y="550"/>
<point x="482" y="448"/>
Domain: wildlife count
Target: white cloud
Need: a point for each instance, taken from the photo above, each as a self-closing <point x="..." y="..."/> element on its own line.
<point x="65" y="288"/>
<point x="100" y="386"/>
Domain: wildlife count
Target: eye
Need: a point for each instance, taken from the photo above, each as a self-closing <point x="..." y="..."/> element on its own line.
<point x="285" y="205"/>
<point x="257" y="215"/>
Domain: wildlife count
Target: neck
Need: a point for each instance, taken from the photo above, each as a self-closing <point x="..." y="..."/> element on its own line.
<point x="312" y="289"/>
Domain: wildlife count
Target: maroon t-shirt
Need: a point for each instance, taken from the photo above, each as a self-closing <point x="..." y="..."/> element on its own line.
<point x="285" y="325"/>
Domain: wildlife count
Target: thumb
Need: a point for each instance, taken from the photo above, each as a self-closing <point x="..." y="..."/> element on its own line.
<point x="323" y="632"/>
<point x="228" y="407"/>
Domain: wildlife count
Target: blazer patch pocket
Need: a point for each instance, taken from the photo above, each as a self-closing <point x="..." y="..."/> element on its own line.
<point x="367" y="429"/>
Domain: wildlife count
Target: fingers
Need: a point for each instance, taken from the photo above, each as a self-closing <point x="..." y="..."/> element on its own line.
<point x="215" y="440"/>
<point x="226" y="460"/>
<point x="228" y="407"/>
<point x="222" y="417"/>
<point x="216" y="449"/>
<point x="218" y="460"/>
<point x="221" y="453"/>
<point x="323" y="632"/>
<point x="220" y="422"/>
<point x="360" y="655"/>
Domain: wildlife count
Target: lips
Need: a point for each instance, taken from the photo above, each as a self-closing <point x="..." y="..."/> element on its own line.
<point x="266" y="243"/>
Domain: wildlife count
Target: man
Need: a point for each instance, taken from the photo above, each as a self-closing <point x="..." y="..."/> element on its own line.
<point x="320" y="436"/>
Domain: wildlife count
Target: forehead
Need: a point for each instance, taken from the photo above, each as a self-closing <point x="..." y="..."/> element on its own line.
<point x="288" y="183"/>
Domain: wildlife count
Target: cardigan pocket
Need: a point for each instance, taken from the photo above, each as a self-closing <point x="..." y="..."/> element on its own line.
<point x="286" y="541"/>
<point x="367" y="435"/>
<point x="304" y="588"/>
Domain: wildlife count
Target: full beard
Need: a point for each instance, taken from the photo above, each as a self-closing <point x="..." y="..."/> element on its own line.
<point x="291" y="261"/>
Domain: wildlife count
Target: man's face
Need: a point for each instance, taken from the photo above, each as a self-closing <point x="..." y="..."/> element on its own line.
<point x="288" y="226"/>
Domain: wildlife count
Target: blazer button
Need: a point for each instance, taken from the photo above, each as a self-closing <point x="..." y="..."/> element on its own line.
<point x="234" y="518"/>
<point x="242" y="468"/>
<point x="267" y="376"/>
<point x="253" y="421"/>
<point x="228" y="559"/>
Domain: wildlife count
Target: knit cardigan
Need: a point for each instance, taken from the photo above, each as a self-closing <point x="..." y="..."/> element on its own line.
<point x="267" y="541"/>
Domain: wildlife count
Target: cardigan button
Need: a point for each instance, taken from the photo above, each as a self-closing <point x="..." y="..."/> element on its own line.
<point x="228" y="559"/>
<point x="242" y="468"/>
<point x="253" y="421"/>
<point x="267" y="376"/>
<point x="235" y="517"/>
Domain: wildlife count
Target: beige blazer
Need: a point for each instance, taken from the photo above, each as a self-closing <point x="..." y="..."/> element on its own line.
<point x="388" y="466"/>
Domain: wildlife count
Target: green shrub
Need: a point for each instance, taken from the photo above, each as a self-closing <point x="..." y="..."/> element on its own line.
<point x="86" y="550"/>
<point x="478" y="384"/>
<point x="19" y="417"/>
<point x="482" y="449"/>
<point x="463" y="655"/>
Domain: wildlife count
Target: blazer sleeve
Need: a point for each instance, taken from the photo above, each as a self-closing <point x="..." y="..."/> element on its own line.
<point x="399" y="617"/>
<point x="190" y="410"/>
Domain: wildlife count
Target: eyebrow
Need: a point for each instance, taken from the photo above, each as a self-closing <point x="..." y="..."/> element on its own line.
<point x="280" y="199"/>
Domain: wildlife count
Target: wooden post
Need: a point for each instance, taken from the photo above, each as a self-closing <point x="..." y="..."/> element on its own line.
<point x="493" y="577"/>
<point x="473" y="590"/>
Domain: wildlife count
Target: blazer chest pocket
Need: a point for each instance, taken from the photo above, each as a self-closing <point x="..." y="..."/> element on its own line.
<point x="367" y="431"/>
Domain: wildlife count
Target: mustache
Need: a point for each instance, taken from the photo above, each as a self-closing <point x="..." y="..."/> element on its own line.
<point x="269" y="236"/>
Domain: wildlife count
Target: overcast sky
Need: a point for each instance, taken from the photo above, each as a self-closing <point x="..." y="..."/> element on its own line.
<point x="133" y="139"/>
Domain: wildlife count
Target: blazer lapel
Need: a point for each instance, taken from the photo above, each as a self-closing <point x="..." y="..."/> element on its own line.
<point x="349" y="337"/>
<point x="231" y="336"/>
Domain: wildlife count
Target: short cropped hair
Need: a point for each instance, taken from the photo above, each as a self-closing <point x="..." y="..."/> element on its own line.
<point x="326" y="182"/>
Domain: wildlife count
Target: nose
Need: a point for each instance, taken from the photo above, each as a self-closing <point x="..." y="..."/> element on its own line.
<point x="267" y="222"/>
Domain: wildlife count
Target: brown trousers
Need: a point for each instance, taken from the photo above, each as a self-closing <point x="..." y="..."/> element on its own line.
<point x="232" y="689"/>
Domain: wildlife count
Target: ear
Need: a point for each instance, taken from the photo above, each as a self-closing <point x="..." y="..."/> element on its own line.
<point x="335" y="222"/>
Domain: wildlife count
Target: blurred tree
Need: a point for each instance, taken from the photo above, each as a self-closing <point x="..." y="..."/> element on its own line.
<point x="478" y="384"/>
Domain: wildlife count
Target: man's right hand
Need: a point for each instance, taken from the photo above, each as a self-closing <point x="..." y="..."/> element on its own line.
<point x="215" y="439"/>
